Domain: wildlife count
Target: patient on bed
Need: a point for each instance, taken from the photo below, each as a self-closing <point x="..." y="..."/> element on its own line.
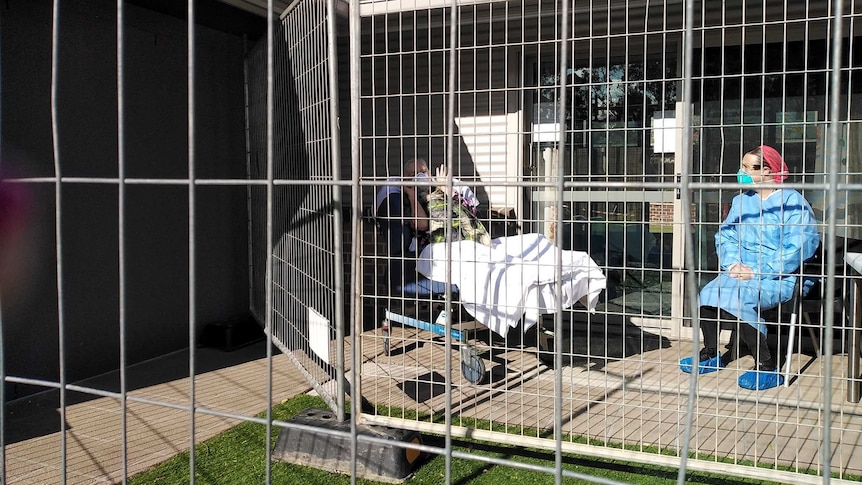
<point x="402" y="214"/>
<point x="504" y="280"/>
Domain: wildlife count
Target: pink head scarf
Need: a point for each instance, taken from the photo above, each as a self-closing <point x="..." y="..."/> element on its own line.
<point x="776" y="164"/>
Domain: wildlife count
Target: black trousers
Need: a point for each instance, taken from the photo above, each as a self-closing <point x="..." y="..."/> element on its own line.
<point x="710" y="325"/>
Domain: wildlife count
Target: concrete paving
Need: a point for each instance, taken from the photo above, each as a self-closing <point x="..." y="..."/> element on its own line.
<point x="231" y="383"/>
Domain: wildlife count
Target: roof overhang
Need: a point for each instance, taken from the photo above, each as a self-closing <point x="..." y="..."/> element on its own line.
<point x="259" y="7"/>
<point x="280" y="8"/>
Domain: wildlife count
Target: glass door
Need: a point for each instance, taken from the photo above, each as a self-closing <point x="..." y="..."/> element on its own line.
<point x="611" y="154"/>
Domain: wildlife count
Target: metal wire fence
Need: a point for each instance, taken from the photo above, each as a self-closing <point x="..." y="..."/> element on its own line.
<point x="306" y="278"/>
<point x="605" y="130"/>
<point x="571" y="134"/>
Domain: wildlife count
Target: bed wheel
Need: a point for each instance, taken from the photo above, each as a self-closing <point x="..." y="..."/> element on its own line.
<point x="472" y="366"/>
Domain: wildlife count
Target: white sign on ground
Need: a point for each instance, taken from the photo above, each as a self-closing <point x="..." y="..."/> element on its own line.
<point x="318" y="334"/>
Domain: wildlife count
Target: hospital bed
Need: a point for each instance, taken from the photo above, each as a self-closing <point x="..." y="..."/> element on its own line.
<point x="404" y="285"/>
<point x="510" y="284"/>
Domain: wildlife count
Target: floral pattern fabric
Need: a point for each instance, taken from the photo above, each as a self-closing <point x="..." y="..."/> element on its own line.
<point x="465" y="225"/>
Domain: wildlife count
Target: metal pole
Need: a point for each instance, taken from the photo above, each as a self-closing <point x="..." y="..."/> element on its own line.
<point x="58" y="228"/>
<point x="450" y="151"/>
<point x="191" y="227"/>
<point x="355" y="36"/>
<point x="270" y="103"/>
<point x="338" y="208"/>
<point x="833" y="134"/>
<point x="121" y="233"/>
<point x="685" y="201"/>
<point x="558" y="221"/>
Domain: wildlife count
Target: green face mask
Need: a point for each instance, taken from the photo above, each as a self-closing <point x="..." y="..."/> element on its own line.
<point x="742" y="177"/>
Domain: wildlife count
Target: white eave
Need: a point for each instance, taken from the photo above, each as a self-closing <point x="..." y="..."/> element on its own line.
<point x="258" y="7"/>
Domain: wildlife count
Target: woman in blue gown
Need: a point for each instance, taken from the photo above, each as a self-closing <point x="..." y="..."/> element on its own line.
<point x="761" y="245"/>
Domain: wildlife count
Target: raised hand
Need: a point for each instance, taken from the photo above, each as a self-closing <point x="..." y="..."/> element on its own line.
<point x="440" y="178"/>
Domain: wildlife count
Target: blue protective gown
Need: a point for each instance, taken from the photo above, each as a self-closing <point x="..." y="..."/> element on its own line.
<point x="773" y="236"/>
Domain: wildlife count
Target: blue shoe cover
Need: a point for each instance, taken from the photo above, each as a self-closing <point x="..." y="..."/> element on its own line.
<point x="760" y="380"/>
<point x="704" y="367"/>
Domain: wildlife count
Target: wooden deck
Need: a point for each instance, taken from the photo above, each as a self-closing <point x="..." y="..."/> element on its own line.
<point x="226" y="382"/>
<point x="631" y="398"/>
<point x="628" y="391"/>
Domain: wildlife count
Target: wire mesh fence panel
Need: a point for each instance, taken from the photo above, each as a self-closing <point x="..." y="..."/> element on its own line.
<point x="614" y="129"/>
<point x="306" y="259"/>
<point x="551" y="196"/>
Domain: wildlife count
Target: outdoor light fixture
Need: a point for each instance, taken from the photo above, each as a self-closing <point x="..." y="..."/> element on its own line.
<point x="664" y="132"/>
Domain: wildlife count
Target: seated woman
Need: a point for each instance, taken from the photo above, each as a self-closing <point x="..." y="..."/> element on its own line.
<point x="391" y="205"/>
<point x="407" y="208"/>
<point x="761" y="245"/>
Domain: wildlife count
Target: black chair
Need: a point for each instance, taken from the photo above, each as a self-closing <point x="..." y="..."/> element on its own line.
<point x="803" y="307"/>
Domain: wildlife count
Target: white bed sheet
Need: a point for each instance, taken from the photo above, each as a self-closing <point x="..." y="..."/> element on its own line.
<point x="513" y="278"/>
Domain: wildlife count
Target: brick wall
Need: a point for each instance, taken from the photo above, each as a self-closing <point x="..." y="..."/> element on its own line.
<point x="662" y="212"/>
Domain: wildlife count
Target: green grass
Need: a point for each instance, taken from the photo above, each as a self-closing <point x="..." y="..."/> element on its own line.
<point x="237" y="456"/>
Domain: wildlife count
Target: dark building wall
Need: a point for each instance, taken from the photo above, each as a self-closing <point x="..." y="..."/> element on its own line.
<point x="156" y="217"/>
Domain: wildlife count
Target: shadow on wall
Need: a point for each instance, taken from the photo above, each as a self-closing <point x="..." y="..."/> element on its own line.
<point x="156" y="219"/>
<point x="288" y="149"/>
<point x="303" y="261"/>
